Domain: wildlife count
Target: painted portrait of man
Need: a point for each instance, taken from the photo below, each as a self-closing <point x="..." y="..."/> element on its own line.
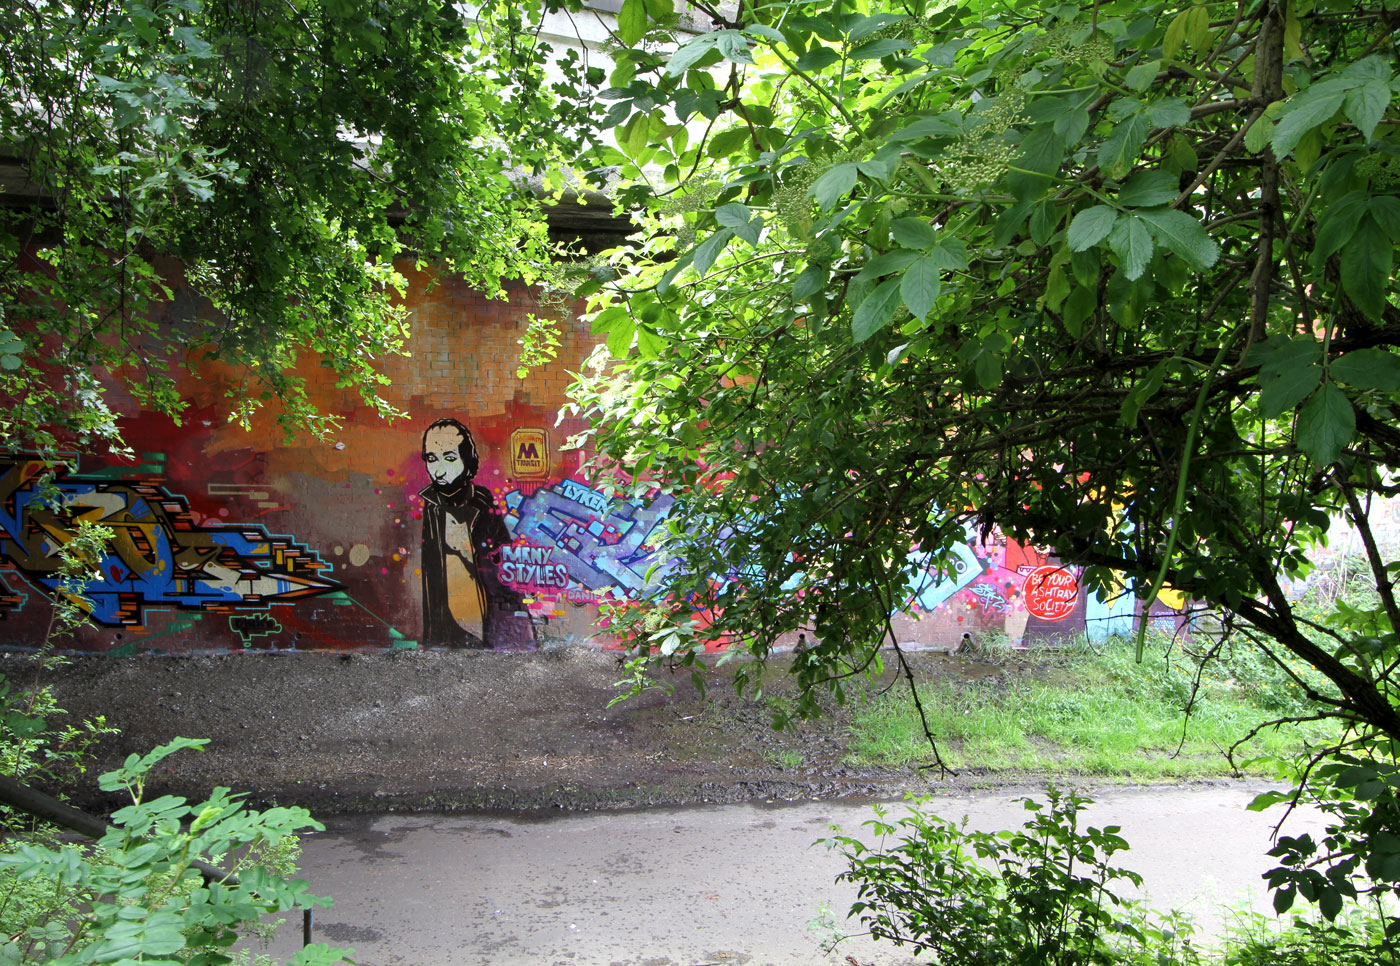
<point x="464" y="603"/>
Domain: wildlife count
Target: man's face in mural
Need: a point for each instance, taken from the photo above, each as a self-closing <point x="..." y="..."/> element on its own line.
<point x="442" y="454"/>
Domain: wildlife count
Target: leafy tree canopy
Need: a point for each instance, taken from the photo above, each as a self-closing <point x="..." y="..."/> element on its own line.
<point x="1116" y="278"/>
<point x="281" y="153"/>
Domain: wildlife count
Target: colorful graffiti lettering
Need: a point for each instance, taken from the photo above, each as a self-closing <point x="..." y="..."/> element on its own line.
<point x="530" y="567"/>
<point x="157" y="556"/>
<point x="988" y="597"/>
<point x="601" y="543"/>
<point x="1051" y="593"/>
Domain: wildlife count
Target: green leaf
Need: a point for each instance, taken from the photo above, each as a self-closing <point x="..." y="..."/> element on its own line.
<point x="1079" y="306"/>
<point x="620" y="337"/>
<point x="1044" y="220"/>
<point x="812" y="280"/>
<point x="1148" y="188"/>
<point x="861" y="27"/>
<point x="633" y="136"/>
<point x="874" y="313"/>
<point x="1175" y="35"/>
<point x="632" y="21"/>
<point x="817" y="58"/>
<point x="1121" y="148"/>
<point x="1367" y="261"/>
<point x="1385" y="209"/>
<point x="605" y="319"/>
<point x="1038" y="161"/>
<point x="1283" y="392"/>
<point x="1138" y="396"/>
<point x="1090" y="227"/>
<point x="709" y="250"/>
<point x="1368" y="369"/>
<point x="1307" y="110"/>
<point x="1172" y="112"/>
<point x="914" y="233"/>
<point x="1366" y="105"/>
<point x="927" y="127"/>
<point x="950" y="255"/>
<point x="164" y="125"/>
<point x="1198" y="28"/>
<point x="1140" y="78"/>
<point x="1337" y="225"/>
<point x="727" y="142"/>
<point x="920" y="286"/>
<point x="735" y="45"/>
<point x="1178" y="232"/>
<point x="880" y="47"/>
<point x="765" y="31"/>
<point x="650" y="344"/>
<point x="1132" y="243"/>
<point x="888" y="262"/>
<point x="1057" y="288"/>
<point x="987" y="368"/>
<point x="833" y="185"/>
<point x="690" y="52"/>
<point x="741" y="219"/>
<point x="1326" y="424"/>
<point x="1329" y="903"/>
<point x="1260" y="133"/>
<point x="878" y="170"/>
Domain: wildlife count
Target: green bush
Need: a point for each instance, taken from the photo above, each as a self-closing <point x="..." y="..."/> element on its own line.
<point x="137" y="895"/>
<point x="1042" y="895"/>
<point x="1355" y="939"/>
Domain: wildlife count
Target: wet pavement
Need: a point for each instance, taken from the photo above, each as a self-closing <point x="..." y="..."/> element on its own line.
<point x="735" y="884"/>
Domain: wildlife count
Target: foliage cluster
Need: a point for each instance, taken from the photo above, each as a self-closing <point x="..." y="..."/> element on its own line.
<point x="1353" y="940"/>
<point x="137" y="895"/>
<point x="1044" y="894"/>
<point x="270" y="160"/>
<point x="951" y="309"/>
<point x="1112" y="277"/>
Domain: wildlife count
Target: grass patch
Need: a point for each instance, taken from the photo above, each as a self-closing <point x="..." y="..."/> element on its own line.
<point x="1093" y="709"/>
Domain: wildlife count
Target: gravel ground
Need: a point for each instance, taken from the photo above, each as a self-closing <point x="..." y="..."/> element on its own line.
<point x="465" y="730"/>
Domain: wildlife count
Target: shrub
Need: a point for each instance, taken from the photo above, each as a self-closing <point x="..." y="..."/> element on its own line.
<point x="1042" y="895"/>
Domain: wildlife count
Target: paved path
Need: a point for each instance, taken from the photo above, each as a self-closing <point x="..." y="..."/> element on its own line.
<point x="720" y="885"/>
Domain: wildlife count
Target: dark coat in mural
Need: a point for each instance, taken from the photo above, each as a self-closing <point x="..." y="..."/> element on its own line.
<point x="464" y="602"/>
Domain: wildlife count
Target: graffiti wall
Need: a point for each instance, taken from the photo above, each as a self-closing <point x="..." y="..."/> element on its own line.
<point x="466" y="524"/>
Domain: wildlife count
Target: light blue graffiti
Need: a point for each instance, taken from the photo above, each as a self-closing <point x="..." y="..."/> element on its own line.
<point x="991" y="600"/>
<point x="605" y="543"/>
<point x="937" y="580"/>
<point x="1113" y="616"/>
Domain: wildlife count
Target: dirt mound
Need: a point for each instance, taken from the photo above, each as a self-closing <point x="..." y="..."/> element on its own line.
<point x="479" y="730"/>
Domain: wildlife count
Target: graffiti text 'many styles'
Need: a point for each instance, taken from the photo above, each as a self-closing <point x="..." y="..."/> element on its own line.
<point x="528" y="566"/>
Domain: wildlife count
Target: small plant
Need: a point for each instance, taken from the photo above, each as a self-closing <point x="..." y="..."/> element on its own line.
<point x="1355" y="938"/>
<point x="138" y="894"/>
<point x="786" y="758"/>
<point x="1042" y="895"/>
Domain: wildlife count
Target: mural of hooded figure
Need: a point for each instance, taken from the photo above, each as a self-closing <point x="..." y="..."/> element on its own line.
<point x="464" y="604"/>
